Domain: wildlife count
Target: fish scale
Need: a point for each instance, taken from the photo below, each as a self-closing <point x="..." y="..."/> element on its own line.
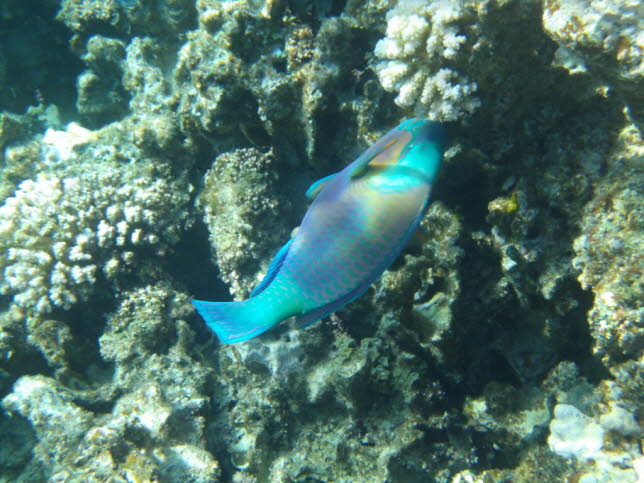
<point x="359" y="221"/>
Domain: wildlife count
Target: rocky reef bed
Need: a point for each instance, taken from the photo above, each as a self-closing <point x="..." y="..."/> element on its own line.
<point x="151" y="152"/>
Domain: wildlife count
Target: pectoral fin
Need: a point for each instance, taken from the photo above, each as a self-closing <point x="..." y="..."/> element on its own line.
<point x="373" y="161"/>
<point x="382" y="154"/>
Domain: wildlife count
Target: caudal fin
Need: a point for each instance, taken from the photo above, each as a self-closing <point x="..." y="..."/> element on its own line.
<point x="235" y="321"/>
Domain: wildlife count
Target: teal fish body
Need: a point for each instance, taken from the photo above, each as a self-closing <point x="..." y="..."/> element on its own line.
<point x="358" y="222"/>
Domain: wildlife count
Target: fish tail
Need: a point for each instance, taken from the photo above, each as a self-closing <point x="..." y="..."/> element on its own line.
<point x="236" y="321"/>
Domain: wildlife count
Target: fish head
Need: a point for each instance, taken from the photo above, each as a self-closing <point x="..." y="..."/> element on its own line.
<point x="423" y="152"/>
<point x="406" y="156"/>
<point x="416" y="146"/>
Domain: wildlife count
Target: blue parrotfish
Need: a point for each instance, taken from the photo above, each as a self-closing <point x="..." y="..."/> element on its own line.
<point x="359" y="220"/>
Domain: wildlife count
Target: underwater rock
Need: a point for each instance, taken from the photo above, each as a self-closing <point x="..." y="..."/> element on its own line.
<point x="58" y="422"/>
<point x="126" y="18"/>
<point x="427" y="282"/>
<point x="132" y="443"/>
<point x="249" y="76"/>
<point x="157" y="426"/>
<point x="593" y="426"/>
<point x="154" y="126"/>
<point x="101" y="97"/>
<point x="245" y="212"/>
<point x="189" y="463"/>
<point x="148" y="340"/>
<point x="603" y="39"/>
<point x="341" y="426"/>
<point x="575" y="435"/>
<point x="521" y="415"/>
<point x="280" y="357"/>
<point x="609" y="253"/>
<point x="212" y="84"/>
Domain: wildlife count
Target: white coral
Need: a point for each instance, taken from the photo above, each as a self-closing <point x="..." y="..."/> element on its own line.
<point x="575" y="435"/>
<point x="60" y="144"/>
<point x="424" y="39"/>
<point x="56" y="234"/>
<point x="56" y="419"/>
<point x="572" y="433"/>
<point x="604" y="38"/>
<point x="598" y="31"/>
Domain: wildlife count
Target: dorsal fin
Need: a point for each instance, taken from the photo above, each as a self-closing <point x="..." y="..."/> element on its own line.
<point x="316" y="187"/>
<point x="273" y="269"/>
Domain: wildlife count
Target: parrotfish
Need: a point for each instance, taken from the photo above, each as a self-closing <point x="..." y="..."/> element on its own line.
<point x="359" y="220"/>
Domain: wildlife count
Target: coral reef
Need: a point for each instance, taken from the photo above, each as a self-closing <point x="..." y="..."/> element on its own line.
<point x="505" y="344"/>
<point x="256" y="74"/>
<point x="154" y="430"/>
<point x="73" y="233"/>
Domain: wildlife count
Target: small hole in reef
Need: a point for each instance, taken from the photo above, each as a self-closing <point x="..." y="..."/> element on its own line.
<point x="191" y="264"/>
<point x="280" y="65"/>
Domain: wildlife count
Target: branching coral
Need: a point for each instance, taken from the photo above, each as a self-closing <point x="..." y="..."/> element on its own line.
<point x="425" y="42"/>
<point x="57" y="233"/>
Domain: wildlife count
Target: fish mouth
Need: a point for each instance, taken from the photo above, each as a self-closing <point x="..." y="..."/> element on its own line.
<point x="431" y="131"/>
